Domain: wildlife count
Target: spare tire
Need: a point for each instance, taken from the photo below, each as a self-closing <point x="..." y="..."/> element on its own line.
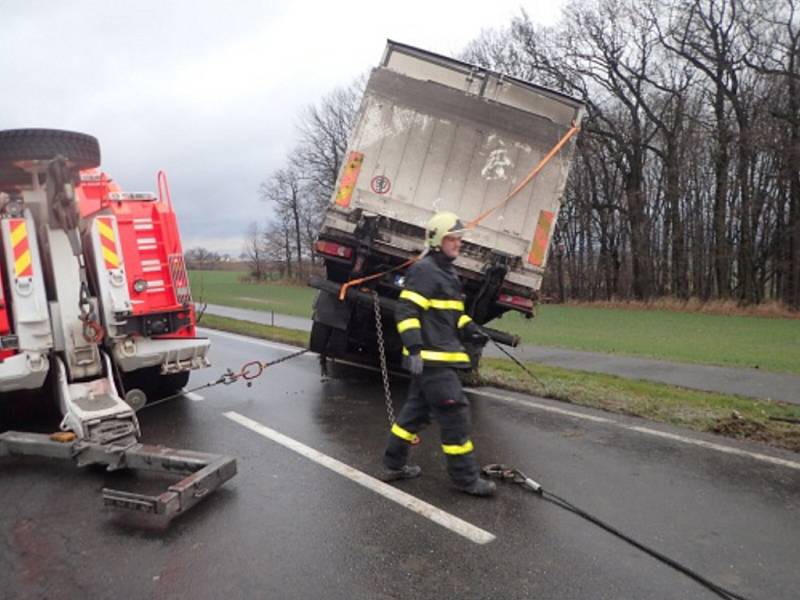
<point x="80" y="150"/>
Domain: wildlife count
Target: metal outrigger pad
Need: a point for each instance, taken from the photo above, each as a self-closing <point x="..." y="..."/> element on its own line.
<point x="203" y="473"/>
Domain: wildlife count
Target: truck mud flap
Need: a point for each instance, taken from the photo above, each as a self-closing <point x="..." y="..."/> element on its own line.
<point x="203" y="473"/>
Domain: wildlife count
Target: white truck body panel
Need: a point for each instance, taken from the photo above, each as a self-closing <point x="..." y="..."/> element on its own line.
<point x="26" y="285"/>
<point x="434" y="134"/>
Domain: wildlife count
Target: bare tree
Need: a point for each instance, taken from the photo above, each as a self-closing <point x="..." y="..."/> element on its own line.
<point x="253" y="251"/>
<point x="201" y="258"/>
<point x="284" y="190"/>
<point x="324" y="131"/>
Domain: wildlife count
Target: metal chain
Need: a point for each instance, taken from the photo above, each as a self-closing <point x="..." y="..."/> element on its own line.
<point x="249" y="371"/>
<point x="387" y="390"/>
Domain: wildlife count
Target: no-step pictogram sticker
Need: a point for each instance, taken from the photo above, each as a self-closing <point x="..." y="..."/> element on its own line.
<point x="380" y="184"/>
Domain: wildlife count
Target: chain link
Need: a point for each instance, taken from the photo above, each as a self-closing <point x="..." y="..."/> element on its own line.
<point x="249" y="371"/>
<point x="387" y="390"/>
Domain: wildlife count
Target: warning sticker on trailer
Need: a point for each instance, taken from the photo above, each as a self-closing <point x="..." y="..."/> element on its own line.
<point x="380" y="184"/>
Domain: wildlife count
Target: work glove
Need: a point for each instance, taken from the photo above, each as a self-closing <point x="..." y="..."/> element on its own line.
<point x="415" y="364"/>
<point x="477" y="337"/>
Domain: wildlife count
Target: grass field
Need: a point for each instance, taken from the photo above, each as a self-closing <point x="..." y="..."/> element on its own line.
<point x="223" y="287"/>
<point x="737" y="341"/>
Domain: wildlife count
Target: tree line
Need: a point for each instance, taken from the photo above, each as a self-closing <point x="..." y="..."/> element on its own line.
<point x="686" y="178"/>
<point x="686" y="181"/>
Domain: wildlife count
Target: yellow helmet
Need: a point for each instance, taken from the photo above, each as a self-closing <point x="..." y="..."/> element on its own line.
<point x="442" y="224"/>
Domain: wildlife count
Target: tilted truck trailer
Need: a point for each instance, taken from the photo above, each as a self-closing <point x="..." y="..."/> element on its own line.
<point x="437" y="134"/>
<point x="96" y="314"/>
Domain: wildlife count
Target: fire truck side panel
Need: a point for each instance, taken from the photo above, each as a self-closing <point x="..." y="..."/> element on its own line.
<point x="29" y="317"/>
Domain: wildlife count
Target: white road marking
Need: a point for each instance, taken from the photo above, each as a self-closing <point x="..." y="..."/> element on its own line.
<point x="646" y="430"/>
<point x="249" y="340"/>
<point x="445" y="519"/>
<point x="194" y="397"/>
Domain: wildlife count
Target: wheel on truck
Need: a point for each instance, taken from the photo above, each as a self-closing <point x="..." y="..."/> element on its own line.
<point x="81" y="150"/>
<point x="154" y="385"/>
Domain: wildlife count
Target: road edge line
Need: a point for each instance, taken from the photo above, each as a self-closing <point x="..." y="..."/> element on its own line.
<point x="782" y="462"/>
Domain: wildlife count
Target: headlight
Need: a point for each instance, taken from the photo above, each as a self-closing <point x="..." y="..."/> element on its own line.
<point x="139" y="285"/>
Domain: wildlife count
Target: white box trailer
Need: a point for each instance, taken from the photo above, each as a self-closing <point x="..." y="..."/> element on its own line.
<point x="437" y="134"/>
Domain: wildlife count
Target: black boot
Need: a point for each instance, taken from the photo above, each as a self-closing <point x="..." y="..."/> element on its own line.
<point x="405" y="472"/>
<point x="479" y="487"/>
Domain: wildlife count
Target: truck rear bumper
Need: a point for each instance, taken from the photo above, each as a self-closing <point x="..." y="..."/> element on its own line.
<point x="173" y="355"/>
<point x="26" y="371"/>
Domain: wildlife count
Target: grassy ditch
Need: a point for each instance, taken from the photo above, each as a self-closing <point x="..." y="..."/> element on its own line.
<point x="732" y="416"/>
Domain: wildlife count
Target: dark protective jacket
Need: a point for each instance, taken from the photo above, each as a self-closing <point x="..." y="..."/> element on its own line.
<point x="430" y="313"/>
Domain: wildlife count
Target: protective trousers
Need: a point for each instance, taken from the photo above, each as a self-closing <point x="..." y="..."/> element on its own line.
<point x="436" y="391"/>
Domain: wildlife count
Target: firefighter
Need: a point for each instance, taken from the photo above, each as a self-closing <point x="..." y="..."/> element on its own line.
<point x="432" y="325"/>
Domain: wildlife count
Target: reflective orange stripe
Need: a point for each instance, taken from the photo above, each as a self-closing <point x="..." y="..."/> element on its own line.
<point x="108" y="242"/>
<point x="23" y="262"/>
<point x="541" y="238"/>
<point x="349" y="178"/>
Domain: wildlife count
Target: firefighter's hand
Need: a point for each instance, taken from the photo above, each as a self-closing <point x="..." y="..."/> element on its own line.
<point x="415" y="364"/>
<point x="477" y="337"/>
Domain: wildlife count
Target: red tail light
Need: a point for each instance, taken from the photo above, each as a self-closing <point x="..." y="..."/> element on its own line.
<point x="333" y="249"/>
<point x="516" y="301"/>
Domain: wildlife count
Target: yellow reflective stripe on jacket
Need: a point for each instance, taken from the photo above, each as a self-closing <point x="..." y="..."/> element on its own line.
<point x="426" y="303"/>
<point x="444" y="356"/>
<point x="447" y="304"/>
<point x="407" y="324"/>
<point x="465" y="448"/>
<point x="463" y="320"/>
<point x="416" y="298"/>
<point x="404" y="434"/>
<point x="441" y="356"/>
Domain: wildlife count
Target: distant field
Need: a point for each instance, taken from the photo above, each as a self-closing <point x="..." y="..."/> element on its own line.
<point x="223" y="287"/>
<point x="770" y="344"/>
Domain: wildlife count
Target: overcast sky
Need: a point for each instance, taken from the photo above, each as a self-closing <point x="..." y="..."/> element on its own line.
<point x="208" y="91"/>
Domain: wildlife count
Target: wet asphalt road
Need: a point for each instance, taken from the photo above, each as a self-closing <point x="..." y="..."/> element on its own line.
<point x="286" y="527"/>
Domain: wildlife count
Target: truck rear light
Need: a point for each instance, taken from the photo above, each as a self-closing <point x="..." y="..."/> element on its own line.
<point x="180" y="280"/>
<point x="333" y="249"/>
<point x="516" y="301"/>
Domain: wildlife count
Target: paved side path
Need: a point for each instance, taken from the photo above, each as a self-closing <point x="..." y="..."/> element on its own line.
<point x="745" y="382"/>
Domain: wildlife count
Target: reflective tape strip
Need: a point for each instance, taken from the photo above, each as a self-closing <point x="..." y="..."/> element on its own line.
<point x="349" y="178"/>
<point x="18" y="231"/>
<point x="108" y="242"/>
<point x="407" y="324"/>
<point x="23" y="261"/>
<point x="22" y="264"/>
<point x="464" y="448"/>
<point x="404" y="434"/>
<point x="541" y="238"/>
<point x="416" y="298"/>
<point x="105" y="229"/>
<point x="441" y="356"/>
<point x="463" y="320"/>
<point x="448" y="304"/>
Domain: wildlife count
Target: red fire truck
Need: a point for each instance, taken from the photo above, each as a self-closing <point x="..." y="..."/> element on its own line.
<point x="95" y="310"/>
